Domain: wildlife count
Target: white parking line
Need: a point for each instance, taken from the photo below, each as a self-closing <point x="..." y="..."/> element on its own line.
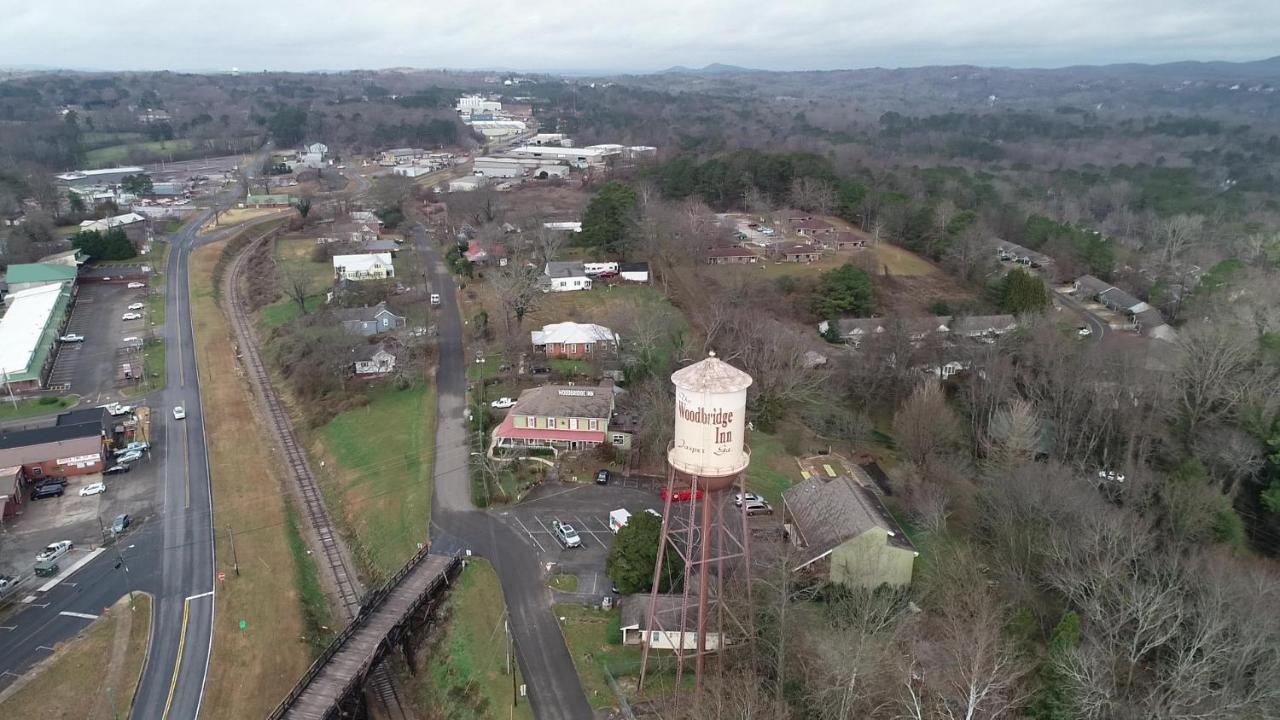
<point x="531" y="537"/>
<point x="586" y="528"/>
<point x="85" y="616"/>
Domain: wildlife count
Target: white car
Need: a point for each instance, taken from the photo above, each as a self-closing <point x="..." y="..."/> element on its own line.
<point x="131" y="316"/>
<point x="565" y="534"/>
<point x="739" y="498"/>
<point x="758" y="507"/>
<point x="130" y="457"/>
<point x="1084" y="331"/>
<point x="54" y="551"/>
<point x="71" y="337"/>
<point x="503" y="403"/>
<point x="179" y="413"/>
<point x="137" y="306"/>
<point x="118" y="409"/>
<point x="93" y="489"/>
<point x="136" y="285"/>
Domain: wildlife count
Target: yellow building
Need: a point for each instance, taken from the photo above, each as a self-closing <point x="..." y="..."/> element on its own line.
<point x="845" y="534"/>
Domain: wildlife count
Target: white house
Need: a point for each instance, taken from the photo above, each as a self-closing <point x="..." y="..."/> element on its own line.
<point x="666" y="632"/>
<point x="372" y="360"/>
<point x="366" y="266"/>
<point x="565" y="276"/>
<point x="313" y="155"/>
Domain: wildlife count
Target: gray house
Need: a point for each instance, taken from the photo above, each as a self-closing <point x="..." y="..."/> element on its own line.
<point x="367" y="321"/>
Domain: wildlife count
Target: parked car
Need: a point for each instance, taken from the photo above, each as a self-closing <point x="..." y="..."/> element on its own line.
<point x="179" y="413"/>
<point x="93" y="489"/>
<point x="739" y="498"/>
<point x="607" y="274"/>
<point x="683" y="495"/>
<point x="136" y="306"/>
<point x="1084" y="331"/>
<point x="133" y="285"/>
<point x="758" y="507"/>
<point x="121" y="523"/>
<point x="602" y="476"/>
<point x="54" y="551"/>
<point x="131" y="316"/>
<point x="132" y="456"/>
<point x="565" y="534"/>
<point x="48" y="490"/>
<point x="503" y="403"/>
<point x="71" y="337"/>
<point x="138" y="445"/>
<point x="539" y="370"/>
<point x="7" y="582"/>
<point x="116" y="469"/>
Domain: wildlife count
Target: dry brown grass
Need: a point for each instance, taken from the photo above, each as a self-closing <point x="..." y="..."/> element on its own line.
<point x="249" y="672"/>
<point x="86" y="674"/>
<point x="239" y="215"/>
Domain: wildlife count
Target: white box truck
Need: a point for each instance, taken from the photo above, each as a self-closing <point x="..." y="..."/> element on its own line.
<point x="618" y="520"/>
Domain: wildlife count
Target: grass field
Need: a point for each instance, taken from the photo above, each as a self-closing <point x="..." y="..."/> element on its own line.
<point x="249" y="671"/>
<point x="92" y="677"/>
<point x="563" y="583"/>
<point x="295" y="253"/>
<point x="118" y="154"/>
<point x="586" y="632"/>
<point x="235" y="216"/>
<point x="36" y="406"/>
<point x="772" y="470"/>
<point x="380" y="480"/>
<point x="465" y="674"/>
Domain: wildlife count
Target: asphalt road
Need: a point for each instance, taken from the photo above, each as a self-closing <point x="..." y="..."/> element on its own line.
<point x="554" y="689"/>
<point x="1095" y="323"/>
<point x="170" y="556"/>
<point x="182" y="632"/>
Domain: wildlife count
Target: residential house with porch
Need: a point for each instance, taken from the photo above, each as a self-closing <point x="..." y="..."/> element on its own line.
<point x="372" y="360"/>
<point x="573" y="340"/>
<point x="845" y="535"/>
<point x="565" y="276"/>
<point x="564" y="417"/>
<point x="366" y="266"/>
<point x="666" y="632"/>
<point x="801" y="252"/>
<point x="734" y="255"/>
<point x="369" y="321"/>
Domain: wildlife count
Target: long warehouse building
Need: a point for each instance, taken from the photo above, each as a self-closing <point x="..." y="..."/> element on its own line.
<point x="29" y="333"/>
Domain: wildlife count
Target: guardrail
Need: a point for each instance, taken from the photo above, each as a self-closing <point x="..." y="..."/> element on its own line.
<point x="368" y="605"/>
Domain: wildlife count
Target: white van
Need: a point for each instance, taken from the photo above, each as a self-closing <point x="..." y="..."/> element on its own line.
<point x="618" y="520"/>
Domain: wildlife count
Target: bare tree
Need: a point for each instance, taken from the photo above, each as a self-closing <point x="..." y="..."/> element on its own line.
<point x="1214" y="377"/>
<point x="813" y="195"/>
<point x="518" y="289"/>
<point x="925" y="425"/>
<point x="298" y="284"/>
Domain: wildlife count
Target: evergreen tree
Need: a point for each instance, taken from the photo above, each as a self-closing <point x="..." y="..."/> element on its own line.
<point x="607" y="222"/>
<point x="1021" y="292"/>
<point x="847" y="290"/>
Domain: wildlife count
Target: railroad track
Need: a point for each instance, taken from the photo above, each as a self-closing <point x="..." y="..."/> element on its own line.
<point x="332" y="554"/>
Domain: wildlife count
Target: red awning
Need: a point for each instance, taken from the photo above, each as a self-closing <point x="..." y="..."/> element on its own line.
<point x="508" y="430"/>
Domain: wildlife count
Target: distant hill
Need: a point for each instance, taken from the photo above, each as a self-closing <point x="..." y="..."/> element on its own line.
<point x="712" y="69"/>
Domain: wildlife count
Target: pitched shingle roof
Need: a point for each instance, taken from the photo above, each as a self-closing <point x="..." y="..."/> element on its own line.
<point x="828" y="513"/>
<point x="565" y="401"/>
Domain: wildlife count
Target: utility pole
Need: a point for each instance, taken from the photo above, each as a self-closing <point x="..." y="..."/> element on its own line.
<point x="515" y="695"/>
<point x="235" y="559"/>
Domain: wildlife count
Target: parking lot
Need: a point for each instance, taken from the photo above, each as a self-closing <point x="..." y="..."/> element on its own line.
<point x="586" y="508"/>
<point x="80" y="519"/>
<point x="92" y="369"/>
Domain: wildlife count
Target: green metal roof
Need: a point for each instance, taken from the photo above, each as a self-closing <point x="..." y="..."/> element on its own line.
<point x="39" y="272"/>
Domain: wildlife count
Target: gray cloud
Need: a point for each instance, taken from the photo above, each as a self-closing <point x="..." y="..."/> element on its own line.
<point x="632" y="36"/>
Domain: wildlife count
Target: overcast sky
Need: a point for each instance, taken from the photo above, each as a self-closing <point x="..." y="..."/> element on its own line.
<point x="622" y="35"/>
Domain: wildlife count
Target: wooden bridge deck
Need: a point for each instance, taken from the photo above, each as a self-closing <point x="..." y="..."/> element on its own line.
<point x="319" y="698"/>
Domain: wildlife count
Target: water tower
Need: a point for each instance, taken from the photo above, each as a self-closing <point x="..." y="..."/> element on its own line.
<point x="700" y="523"/>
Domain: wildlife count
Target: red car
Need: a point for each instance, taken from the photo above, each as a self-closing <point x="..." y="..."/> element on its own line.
<point x="607" y="274"/>
<point x="682" y="495"/>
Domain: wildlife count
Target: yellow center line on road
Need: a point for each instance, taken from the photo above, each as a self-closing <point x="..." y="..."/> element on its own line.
<point x="177" y="663"/>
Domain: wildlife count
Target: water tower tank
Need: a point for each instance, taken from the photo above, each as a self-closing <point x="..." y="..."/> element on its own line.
<point x="710" y="431"/>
